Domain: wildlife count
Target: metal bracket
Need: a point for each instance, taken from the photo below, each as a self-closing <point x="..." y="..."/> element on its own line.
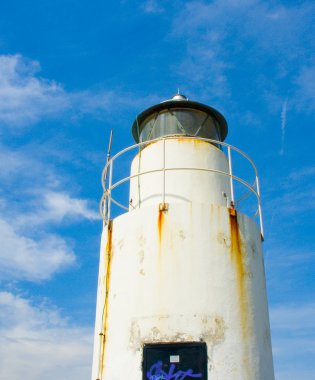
<point x="232" y="211"/>
<point x="163" y="207"/>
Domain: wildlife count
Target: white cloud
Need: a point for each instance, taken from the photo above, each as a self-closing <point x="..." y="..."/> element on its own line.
<point x="27" y="252"/>
<point x="11" y="162"/>
<point x="206" y="69"/>
<point x="36" y="342"/>
<point x="45" y="199"/>
<point x="57" y="207"/>
<point x="288" y="270"/>
<point x="302" y="173"/>
<point x="23" y="257"/>
<point x="293" y="337"/>
<point x="223" y="38"/>
<point x="272" y="27"/>
<point x="296" y="318"/>
<point x="27" y="168"/>
<point x="33" y="201"/>
<point x="28" y="248"/>
<point x="61" y="205"/>
<point x="293" y="201"/>
<point x="293" y="194"/>
<point x="25" y="98"/>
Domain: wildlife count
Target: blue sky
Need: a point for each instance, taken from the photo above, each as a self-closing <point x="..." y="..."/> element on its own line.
<point x="70" y="71"/>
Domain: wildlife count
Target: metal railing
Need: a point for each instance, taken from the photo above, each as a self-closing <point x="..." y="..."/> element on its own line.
<point x="252" y="189"/>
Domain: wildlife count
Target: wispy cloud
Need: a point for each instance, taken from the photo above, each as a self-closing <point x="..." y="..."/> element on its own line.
<point x="46" y="194"/>
<point x="221" y="35"/>
<point x="294" y="317"/>
<point x="27" y="168"/>
<point x="29" y="249"/>
<point x="37" y="342"/>
<point x="34" y="201"/>
<point x="293" y="327"/>
<point x="292" y="201"/>
<point x="27" y="98"/>
<point x="302" y="173"/>
<point x="24" y="97"/>
<point x="291" y="194"/>
<point x="57" y="207"/>
<point x="26" y="258"/>
<point x="61" y="205"/>
<point x="288" y="266"/>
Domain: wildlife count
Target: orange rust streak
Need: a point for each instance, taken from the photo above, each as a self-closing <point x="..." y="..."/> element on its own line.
<point x="187" y="139"/>
<point x="107" y="285"/>
<point x="237" y="257"/>
<point x="160" y="224"/>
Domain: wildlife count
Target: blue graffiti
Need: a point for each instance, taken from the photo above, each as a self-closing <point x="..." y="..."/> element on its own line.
<point x="156" y="373"/>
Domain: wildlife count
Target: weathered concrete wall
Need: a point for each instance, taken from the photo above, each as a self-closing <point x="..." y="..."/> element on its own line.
<point x="192" y="273"/>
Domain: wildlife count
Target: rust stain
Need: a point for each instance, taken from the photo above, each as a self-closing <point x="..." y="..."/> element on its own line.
<point x="160" y="224"/>
<point x="163" y="207"/>
<point x="237" y="255"/>
<point x="195" y="140"/>
<point x="103" y="334"/>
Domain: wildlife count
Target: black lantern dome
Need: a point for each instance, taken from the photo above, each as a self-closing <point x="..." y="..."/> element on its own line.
<point x="179" y="116"/>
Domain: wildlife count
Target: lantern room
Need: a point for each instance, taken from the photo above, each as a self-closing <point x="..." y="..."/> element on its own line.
<point x="179" y="116"/>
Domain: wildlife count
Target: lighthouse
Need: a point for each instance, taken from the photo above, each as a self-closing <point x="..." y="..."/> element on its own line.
<point x="181" y="287"/>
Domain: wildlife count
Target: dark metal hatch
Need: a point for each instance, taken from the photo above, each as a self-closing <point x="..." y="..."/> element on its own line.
<point x="169" y="361"/>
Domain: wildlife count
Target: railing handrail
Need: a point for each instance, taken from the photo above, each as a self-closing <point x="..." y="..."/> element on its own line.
<point x="106" y="199"/>
<point x="145" y="143"/>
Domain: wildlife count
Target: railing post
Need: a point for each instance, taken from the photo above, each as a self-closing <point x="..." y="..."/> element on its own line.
<point x="109" y="201"/>
<point x="164" y="160"/>
<point x="259" y="209"/>
<point x="108" y="187"/>
<point x="231" y="176"/>
<point x="103" y="207"/>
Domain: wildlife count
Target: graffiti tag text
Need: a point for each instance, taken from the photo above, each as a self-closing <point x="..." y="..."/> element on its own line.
<point x="156" y="373"/>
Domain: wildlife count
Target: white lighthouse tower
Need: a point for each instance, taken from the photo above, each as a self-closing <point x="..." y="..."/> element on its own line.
<point x="181" y="289"/>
